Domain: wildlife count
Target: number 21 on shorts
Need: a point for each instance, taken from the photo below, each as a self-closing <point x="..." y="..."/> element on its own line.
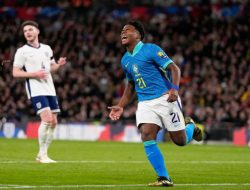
<point x="175" y="117"/>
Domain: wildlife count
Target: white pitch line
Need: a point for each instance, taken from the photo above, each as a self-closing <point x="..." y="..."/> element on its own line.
<point x="105" y="161"/>
<point x="76" y="162"/>
<point x="8" y="186"/>
<point x="126" y="162"/>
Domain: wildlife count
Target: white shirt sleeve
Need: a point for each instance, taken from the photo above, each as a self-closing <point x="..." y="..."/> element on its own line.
<point x="19" y="59"/>
<point x="52" y="59"/>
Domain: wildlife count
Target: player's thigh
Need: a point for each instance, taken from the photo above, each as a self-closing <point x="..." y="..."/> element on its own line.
<point x="42" y="108"/>
<point x="40" y="104"/>
<point x="172" y="116"/>
<point x="173" y="120"/>
<point x="53" y="104"/>
<point x="146" y="114"/>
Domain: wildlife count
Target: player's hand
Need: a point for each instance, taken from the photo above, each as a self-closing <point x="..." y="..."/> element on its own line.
<point x="3" y="63"/>
<point x="6" y="61"/>
<point x="62" y="61"/>
<point x="115" y="113"/>
<point x="172" y="95"/>
<point x="41" y="74"/>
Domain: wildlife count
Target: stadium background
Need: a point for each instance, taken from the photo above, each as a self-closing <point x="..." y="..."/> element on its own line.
<point x="209" y="40"/>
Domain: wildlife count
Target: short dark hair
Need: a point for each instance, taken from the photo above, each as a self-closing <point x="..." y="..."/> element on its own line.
<point x="138" y="26"/>
<point x="29" y="22"/>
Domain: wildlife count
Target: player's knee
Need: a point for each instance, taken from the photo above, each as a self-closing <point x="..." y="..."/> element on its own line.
<point x="148" y="132"/>
<point x="49" y="121"/>
<point x="54" y="123"/>
<point x="47" y="117"/>
<point x="147" y="136"/>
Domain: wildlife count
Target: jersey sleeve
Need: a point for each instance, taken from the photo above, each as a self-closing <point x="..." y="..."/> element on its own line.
<point x="159" y="56"/>
<point x="19" y="59"/>
<point x="51" y="56"/>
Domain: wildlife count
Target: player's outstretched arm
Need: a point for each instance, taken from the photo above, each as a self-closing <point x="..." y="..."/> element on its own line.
<point x="19" y="73"/>
<point x="62" y="61"/>
<point x="117" y="110"/>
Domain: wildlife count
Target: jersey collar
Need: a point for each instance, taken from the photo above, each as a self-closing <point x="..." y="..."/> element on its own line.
<point x="33" y="46"/>
<point x="136" y="48"/>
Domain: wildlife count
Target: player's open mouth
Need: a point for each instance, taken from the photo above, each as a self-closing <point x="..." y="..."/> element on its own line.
<point x="124" y="37"/>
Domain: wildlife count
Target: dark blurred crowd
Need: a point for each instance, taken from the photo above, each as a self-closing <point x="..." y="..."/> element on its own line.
<point x="209" y="41"/>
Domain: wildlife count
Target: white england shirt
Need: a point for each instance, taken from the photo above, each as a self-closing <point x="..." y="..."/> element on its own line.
<point x="32" y="59"/>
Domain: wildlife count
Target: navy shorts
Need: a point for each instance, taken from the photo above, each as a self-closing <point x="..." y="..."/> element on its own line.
<point x="41" y="103"/>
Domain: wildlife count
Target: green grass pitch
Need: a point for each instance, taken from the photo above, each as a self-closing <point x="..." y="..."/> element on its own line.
<point x="121" y="166"/>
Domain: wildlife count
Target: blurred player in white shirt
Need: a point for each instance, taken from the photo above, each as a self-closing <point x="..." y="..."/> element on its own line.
<point x="34" y="61"/>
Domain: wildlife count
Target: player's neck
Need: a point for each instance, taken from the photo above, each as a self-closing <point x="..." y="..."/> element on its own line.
<point x="131" y="47"/>
<point x="34" y="43"/>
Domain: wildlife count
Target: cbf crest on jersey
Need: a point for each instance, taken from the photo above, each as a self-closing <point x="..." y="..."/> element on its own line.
<point x="135" y="69"/>
<point x="161" y="54"/>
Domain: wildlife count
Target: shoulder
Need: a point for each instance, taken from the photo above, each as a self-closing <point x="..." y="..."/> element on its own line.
<point x="150" y="49"/>
<point x="45" y="46"/>
<point x="21" y="49"/>
<point x="150" y="46"/>
<point x="46" y="49"/>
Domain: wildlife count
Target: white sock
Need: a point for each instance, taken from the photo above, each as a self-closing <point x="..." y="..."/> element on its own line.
<point x="50" y="134"/>
<point x="42" y="136"/>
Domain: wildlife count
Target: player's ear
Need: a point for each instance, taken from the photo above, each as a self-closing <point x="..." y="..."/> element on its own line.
<point x="38" y="31"/>
<point x="138" y="36"/>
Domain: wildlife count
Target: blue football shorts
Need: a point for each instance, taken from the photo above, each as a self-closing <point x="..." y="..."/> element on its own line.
<point x="41" y="103"/>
